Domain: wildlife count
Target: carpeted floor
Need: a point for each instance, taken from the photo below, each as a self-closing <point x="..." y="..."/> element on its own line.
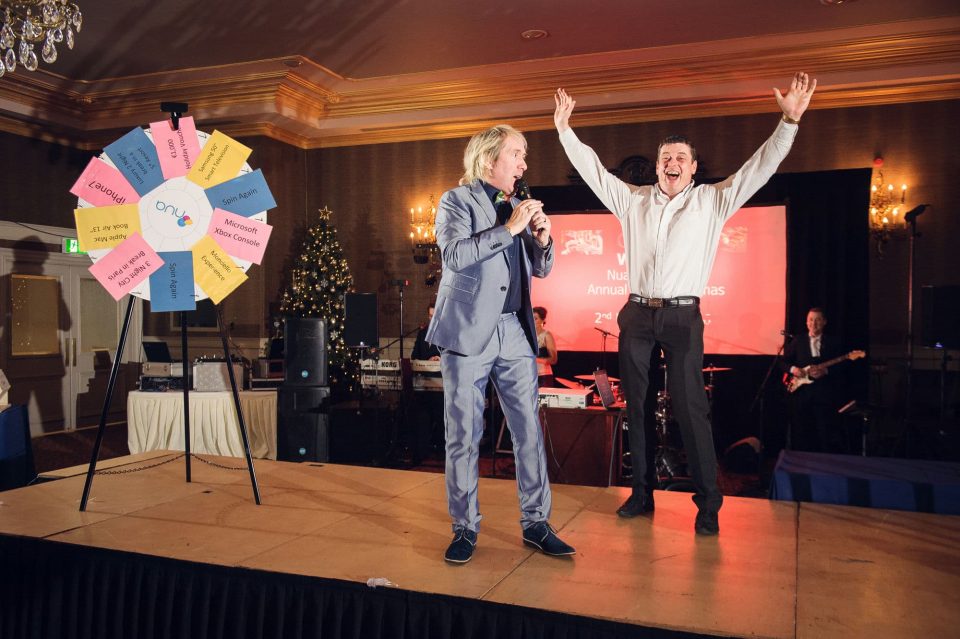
<point x="72" y="448"/>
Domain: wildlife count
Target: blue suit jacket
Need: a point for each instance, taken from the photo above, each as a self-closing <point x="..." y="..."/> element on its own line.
<point x="475" y="276"/>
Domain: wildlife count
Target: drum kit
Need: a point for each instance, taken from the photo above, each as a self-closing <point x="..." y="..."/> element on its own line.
<point x="669" y="458"/>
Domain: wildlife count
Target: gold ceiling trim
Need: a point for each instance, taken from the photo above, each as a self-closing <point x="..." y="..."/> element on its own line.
<point x="288" y="103"/>
<point x="721" y="107"/>
<point x="856" y="55"/>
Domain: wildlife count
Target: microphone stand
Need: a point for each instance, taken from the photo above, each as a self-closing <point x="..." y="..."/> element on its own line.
<point x="910" y="218"/>
<point x="603" y="345"/>
<point x="400" y="284"/>
<point x="406" y="382"/>
<point x="377" y="351"/>
<point x="759" y="397"/>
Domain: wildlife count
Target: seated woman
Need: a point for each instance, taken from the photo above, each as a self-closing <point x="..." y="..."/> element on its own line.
<point x="547" y="349"/>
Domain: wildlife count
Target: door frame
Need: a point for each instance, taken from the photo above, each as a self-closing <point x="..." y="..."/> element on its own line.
<point x="74" y="267"/>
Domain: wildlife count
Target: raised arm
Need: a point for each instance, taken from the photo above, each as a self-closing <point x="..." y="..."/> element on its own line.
<point x="561" y="115"/>
<point x="797" y="99"/>
<point x="615" y="194"/>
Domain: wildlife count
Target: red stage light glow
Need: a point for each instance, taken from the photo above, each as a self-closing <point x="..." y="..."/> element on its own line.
<point x="743" y="304"/>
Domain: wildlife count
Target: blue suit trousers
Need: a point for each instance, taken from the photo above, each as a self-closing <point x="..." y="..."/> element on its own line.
<point x="512" y="365"/>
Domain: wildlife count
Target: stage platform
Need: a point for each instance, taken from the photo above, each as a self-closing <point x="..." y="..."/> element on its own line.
<point x="155" y="556"/>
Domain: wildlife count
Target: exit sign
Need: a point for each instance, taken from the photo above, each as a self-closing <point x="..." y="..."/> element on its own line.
<point x="72" y="245"/>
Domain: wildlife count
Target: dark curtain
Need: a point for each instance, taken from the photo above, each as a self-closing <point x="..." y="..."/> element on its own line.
<point x="51" y="590"/>
<point x="827" y="249"/>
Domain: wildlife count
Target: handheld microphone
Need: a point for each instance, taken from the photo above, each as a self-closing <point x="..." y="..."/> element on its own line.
<point x="398" y="283"/>
<point x="521" y="190"/>
<point x="786" y="334"/>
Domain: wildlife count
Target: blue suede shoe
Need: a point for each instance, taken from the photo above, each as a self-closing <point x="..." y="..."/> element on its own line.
<point x="461" y="548"/>
<point x="542" y="537"/>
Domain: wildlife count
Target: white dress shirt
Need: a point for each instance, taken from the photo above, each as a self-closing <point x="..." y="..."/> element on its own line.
<point x="671" y="243"/>
<point x="815" y="346"/>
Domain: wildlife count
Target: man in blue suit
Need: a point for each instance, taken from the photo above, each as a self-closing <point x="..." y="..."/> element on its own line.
<point x="491" y="244"/>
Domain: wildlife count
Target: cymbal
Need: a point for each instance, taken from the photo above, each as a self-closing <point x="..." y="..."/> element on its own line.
<point x="591" y="378"/>
<point x="716" y="369"/>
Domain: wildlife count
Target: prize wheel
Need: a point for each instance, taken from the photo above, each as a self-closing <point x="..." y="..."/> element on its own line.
<point x="173" y="217"/>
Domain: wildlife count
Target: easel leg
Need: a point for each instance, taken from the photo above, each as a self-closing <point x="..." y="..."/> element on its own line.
<point x="106" y="405"/>
<point x="236" y="403"/>
<point x="186" y="391"/>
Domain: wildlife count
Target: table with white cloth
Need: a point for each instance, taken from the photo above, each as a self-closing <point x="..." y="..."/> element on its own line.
<point x="155" y="422"/>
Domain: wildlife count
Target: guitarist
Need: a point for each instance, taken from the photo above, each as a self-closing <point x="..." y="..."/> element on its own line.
<point x="814" y="405"/>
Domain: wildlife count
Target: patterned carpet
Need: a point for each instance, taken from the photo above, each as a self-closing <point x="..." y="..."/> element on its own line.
<point x="72" y="448"/>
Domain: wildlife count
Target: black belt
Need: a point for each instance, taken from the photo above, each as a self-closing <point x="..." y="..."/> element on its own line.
<point x="662" y="302"/>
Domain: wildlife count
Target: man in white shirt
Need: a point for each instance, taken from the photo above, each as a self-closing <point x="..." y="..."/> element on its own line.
<point x="671" y="231"/>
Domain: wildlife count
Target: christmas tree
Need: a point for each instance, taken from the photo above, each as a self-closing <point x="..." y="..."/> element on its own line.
<point x="319" y="279"/>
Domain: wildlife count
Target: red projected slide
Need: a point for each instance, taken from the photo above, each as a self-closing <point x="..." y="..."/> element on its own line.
<point x="743" y="304"/>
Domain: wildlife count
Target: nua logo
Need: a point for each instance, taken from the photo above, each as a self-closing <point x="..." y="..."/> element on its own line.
<point x="182" y="218"/>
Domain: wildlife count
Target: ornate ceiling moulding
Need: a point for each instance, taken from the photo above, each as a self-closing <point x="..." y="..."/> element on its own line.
<point x="827" y="98"/>
<point x="269" y="130"/>
<point x="486" y="85"/>
<point x="301" y="103"/>
<point x="43" y="133"/>
<point x="256" y="91"/>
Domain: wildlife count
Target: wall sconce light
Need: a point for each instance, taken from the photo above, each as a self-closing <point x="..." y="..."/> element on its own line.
<point x="886" y="206"/>
<point x="423" y="237"/>
<point x="423" y="240"/>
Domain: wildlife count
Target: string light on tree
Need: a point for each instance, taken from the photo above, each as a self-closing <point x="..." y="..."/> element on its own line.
<point x="319" y="279"/>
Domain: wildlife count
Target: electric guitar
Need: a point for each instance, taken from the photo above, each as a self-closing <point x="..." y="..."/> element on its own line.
<point x="793" y="382"/>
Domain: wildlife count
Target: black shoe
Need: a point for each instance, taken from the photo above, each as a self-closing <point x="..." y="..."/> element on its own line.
<point x="706" y="523"/>
<point x="461" y="548"/>
<point x="637" y="504"/>
<point x="542" y="537"/>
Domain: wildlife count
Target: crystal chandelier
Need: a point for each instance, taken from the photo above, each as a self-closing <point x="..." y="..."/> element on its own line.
<point x="885" y="206"/>
<point x="28" y="23"/>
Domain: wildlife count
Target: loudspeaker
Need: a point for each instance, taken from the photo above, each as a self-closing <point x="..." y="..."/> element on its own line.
<point x="360" y="432"/>
<point x="360" y="320"/>
<point x="305" y="351"/>
<point x="303" y="430"/>
<point x="940" y="316"/>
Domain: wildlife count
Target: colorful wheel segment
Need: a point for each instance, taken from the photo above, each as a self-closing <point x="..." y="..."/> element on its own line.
<point x="172" y="203"/>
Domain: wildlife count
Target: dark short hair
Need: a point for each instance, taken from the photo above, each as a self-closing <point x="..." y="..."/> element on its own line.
<point x="816" y="309"/>
<point x="541" y="311"/>
<point x="678" y="139"/>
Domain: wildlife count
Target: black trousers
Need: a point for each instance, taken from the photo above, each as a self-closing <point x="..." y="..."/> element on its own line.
<point x="815" y="424"/>
<point x="678" y="330"/>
